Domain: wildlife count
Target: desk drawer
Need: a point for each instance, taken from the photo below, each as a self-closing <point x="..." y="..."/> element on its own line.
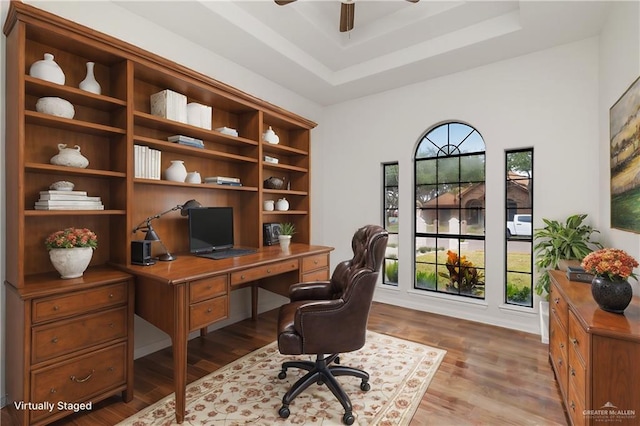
<point x="252" y="274"/>
<point x="78" y="379"/>
<point x="207" y="288"/>
<point x="207" y="312"/>
<point x="558" y="352"/>
<point x="78" y="302"/>
<point x="64" y="337"/>
<point x="311" y="263"/>
<point x="577" y="375"/>
<point x="319" y="275"/>
<point x="575" y="407"/>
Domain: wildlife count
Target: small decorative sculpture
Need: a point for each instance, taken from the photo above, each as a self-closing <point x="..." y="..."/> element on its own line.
<point x="69" y="157"/>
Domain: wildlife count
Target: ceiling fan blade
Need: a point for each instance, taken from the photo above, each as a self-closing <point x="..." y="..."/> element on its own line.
<point x="347" y="11"/>
<point x="283" y="2"/>
<point x="413" y="1"/>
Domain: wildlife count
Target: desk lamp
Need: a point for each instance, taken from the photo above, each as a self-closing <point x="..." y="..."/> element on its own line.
<point x="152" y="235"/>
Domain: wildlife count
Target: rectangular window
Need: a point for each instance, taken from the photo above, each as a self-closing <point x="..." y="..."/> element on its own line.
<point x="519" y="227"/>
<point x="390" y="218"/>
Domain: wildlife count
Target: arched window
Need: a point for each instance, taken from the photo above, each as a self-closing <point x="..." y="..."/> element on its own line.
<point x="450" y="211"/>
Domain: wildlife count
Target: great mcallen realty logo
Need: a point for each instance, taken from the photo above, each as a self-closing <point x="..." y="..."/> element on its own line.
<point x="609" y="412"/>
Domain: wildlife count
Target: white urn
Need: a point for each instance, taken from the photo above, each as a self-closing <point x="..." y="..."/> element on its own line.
<point x="176" y="172"/>
<point x="47" y="69"/>
<point x="71" y="262"/>
<point x="69" y="157"/>
<point x="282" y="204"/>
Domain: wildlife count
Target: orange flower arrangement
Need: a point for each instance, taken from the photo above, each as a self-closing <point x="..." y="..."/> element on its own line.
<point x="72" y="237"/>
<point x="610" y="263"/>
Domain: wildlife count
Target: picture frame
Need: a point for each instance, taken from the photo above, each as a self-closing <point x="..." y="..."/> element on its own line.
<point x="624" y="131"/>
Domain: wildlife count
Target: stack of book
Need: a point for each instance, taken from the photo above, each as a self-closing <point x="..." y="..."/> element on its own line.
<point x="223" y="180"/>
<point x="186" y="140"/>
<point x="67" y="200"/>
<point x="146" y="162"/>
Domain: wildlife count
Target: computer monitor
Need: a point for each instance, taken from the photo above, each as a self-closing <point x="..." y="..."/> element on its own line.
<point x="210" y="229"/>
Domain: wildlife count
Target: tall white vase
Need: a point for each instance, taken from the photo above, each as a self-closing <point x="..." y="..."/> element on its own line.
<point x="47" y="69"/>
<point x="90" y="84"/>
<point x="176" y="172"/>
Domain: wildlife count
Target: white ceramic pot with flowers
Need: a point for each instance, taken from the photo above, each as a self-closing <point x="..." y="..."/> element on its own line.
<point x="286" y="232"/>
<point x="70" y="251"/>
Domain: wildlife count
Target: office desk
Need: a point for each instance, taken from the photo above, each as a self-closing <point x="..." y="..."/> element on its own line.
<point x="191" y="293"/>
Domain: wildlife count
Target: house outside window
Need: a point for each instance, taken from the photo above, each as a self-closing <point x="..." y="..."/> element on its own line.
<point x="519" y="227"/>
<point x="450" y="211"/>
<point x="390" y="219"/>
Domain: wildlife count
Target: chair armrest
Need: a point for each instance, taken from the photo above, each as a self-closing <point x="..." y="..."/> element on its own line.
<point x="316" y="316"/>
<point x="313" y="290"/>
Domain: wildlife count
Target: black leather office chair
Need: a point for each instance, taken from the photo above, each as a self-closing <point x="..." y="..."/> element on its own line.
<point x="330" y="317"/>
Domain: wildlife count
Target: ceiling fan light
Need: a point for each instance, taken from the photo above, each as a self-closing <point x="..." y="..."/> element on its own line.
<point x="347" y="11"/>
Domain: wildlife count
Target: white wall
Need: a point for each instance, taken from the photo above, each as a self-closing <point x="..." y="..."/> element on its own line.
<point x="619" y="68"/>
<point x="547" y="100"/>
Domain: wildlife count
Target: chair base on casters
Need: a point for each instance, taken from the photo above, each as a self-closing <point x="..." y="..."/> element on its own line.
<point x="321" y="372"/>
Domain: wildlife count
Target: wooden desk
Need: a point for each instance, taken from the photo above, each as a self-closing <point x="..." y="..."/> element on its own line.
<point x="192" y="293"/>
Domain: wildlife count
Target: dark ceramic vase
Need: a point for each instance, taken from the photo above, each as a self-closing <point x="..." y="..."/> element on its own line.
<point x="611" y="296"/>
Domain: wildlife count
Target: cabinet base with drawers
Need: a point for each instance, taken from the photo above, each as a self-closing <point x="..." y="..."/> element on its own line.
<point x="69" y="343"/>
<point x="595" y="355"/>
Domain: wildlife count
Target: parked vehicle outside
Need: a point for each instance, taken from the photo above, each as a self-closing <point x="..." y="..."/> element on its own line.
<point x="520" y="226"/>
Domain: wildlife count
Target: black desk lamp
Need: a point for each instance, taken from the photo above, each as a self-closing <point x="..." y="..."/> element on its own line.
<point x="152" y="235"/>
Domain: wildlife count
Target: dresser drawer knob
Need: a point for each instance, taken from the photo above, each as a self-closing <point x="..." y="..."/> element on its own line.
<point x="560" y="362"/>
<point x="52" y="390"/>
<point x="268" y="271"/>
<point x="573" y="372"/>
<point x="110" y="295"/>
<point x="111" y="325"/>
<point x="573" y="406"/>
<point x="315" y="262"/>
<point x="56" y="308"/>
<point x="561" y="345"/>
<point x="574" y="341"/>
<point x="209" y="310"/>
<point x="75" y="379"/>
<point x="242" y="277"/>
<point x="111" y="369"/>
<point x="54" y="340"/>
<point x="556" y="300"/>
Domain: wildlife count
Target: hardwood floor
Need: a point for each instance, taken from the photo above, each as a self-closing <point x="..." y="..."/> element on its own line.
<point x="490" y="375"/>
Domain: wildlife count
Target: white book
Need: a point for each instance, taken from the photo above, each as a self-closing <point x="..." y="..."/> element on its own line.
<point x="145" y="162"/>
<point x="68" y="202"/>
<point x="62" y="197"/>
<point x="158" y="163"/>
<point x="136" y="161"/>
<point x="87" y="207"/>
<point x="221" y="179"/>
<point x="66" y="193"/>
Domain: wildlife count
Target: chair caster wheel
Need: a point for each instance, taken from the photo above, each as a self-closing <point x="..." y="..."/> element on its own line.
<point x="348" y="419"/>
<point x="337" y="360"/>
<point x="365" y="386"/>
<point x="282" y="375"/>
<point x="284" y="412"/>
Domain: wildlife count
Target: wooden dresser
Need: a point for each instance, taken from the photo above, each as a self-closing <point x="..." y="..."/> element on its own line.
<point x="595" y="355"/>
<point x="71" y="343"/>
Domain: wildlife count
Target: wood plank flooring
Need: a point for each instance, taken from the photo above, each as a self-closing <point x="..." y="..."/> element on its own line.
<point x="490" y="375"/>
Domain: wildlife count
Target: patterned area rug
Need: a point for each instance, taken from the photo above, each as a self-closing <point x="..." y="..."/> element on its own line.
<point x="248" y="390"/>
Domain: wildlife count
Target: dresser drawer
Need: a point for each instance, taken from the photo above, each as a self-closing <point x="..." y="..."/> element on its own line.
<point x="207" y="288"/>
<point x="204" y="313"/>
<point x="63" y="337"/>
<point x="311" y="263"/>
<point x="575" y="407"/>
<point x="558" y="306"/>
<point x="578" y="339"/>
<point x="78" y="302"/>
<point x="78" y="379"/>
<point x="577" y="375"/>
<point x="252" y="274"/>
<point x="558" y="352"/>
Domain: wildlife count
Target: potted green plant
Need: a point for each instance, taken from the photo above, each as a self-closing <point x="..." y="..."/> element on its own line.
<point x="557" y="242"/>
<point x="286" y="232"/>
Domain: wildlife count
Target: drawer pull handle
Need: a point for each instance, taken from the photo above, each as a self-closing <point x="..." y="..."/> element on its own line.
<point x="574" y="341"/>
<point x="315" y="262"/>
<point x="75" y="379"/>
<point x="561" y="345"/>
<point x="54" y="340"/>
<point x="110" y="369"/>
<point x="573" y="372"/>
<point x="573" y="406"/>
<point x="56" y="308"/>
<point x="560" y="362"/>
<point x="110" y="295"/>
<point x="242" y="277"/>
<point x="111" y="325"/>
<point x="268" y="271"/>
<point x="556" y="300"/>
<point x="209" y="310"/>
<point x="52" y="390"/>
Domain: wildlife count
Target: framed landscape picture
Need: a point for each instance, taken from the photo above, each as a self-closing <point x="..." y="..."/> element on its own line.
<point x="624" y="126"/>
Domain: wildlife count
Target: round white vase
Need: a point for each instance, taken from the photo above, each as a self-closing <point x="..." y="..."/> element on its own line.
<point x="90" y="84"/>
<point x="176" y="172"/>
<point x="71" y="262"/>
<point x="47" y="69"/>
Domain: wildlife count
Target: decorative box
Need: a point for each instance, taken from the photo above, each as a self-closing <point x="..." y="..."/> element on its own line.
<point x="576" y="273"/>
<point x="199" y="115"/>
<point x="170" y="105"/>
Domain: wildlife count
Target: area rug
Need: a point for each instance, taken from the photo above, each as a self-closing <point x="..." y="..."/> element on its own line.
<point x="248" y="390"/>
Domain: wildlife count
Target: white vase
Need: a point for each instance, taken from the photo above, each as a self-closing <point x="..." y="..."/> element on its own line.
<point x="69" y="157"/>
<point x="90" y="84"/>
<point x="282" y="204"/>
<point x="285" y="242"/>
<point x="71" y="262"/>
<point x="176" y="172"/>
<point x="47" y="69"/>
